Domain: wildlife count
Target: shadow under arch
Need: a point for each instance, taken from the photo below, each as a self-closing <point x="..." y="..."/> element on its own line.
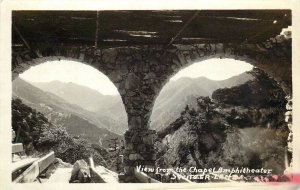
<point x="27" y="65"/>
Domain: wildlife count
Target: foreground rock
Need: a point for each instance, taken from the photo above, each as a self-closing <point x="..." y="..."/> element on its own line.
<point x="80" y="172"/>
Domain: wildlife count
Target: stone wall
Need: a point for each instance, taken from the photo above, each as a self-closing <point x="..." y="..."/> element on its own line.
<point x="139" y="149"/>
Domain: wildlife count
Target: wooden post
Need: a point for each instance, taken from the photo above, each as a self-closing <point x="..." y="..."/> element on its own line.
<point x="18" y="133"/>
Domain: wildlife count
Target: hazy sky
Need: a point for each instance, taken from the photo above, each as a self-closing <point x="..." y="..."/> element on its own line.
<point x="71" y="71"/>
<point x="215" y="69"/>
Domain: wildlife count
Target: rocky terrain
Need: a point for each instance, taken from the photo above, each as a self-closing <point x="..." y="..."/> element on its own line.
<point x="242" y="126"/>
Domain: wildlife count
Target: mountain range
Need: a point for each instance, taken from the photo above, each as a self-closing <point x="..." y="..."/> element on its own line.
<point x="177" y="94"/>
<point x="106" y="107"/>
<point x="107" y="111"/>
<point x="82" y="96"/>
<point x="75" y="119"/>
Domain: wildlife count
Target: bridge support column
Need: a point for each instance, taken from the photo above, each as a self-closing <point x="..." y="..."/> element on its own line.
<point x="139" y="151"/>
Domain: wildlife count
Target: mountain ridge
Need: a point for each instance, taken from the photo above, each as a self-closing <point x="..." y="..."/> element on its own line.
<point x="84" y="94"/>
<point x="173" y="96"/>
<point x="182" y="91"/>
<point x="57" y="110"/>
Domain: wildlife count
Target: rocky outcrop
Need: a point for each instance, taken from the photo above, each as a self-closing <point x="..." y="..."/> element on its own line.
<point x="194" y="137"/>
<point x="260" y="92"/>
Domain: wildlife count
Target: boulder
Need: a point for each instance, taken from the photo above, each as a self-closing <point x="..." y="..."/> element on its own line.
<point x="81" y="172"/>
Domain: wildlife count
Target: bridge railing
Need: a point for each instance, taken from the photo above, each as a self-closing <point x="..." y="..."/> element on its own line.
<point x="17" y="148"/>
<point x="37" y="167"/>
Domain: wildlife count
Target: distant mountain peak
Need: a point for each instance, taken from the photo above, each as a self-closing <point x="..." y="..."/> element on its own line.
<point x="245" y="74"/>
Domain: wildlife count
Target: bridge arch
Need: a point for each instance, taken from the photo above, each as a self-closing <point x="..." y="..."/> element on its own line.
<point x="139" y="72"/>
<point x="20" y="66"/>
<point x="266" y="65"/>
<point x="78" y="65"/>
<point x="266" y="56"/>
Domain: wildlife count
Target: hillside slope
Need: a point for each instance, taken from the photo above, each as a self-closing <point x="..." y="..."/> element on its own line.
<point x="107" y="107"/>
<point x="72" y="117"/>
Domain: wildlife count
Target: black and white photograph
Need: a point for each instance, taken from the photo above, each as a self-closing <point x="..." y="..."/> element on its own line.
<point x="189" y="96"/>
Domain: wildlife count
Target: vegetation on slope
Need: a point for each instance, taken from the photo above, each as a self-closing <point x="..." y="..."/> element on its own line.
<point x="39" y="135"/>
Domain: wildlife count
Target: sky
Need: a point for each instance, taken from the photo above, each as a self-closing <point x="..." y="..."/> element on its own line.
<point x="76" y="72"/>
<point x="214" y="69"/>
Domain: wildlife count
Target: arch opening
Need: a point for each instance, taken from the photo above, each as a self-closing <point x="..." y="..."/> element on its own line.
<point x="207" y="123"/>
<point x="74" y="106"/>
<point x="210" y="68"/>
